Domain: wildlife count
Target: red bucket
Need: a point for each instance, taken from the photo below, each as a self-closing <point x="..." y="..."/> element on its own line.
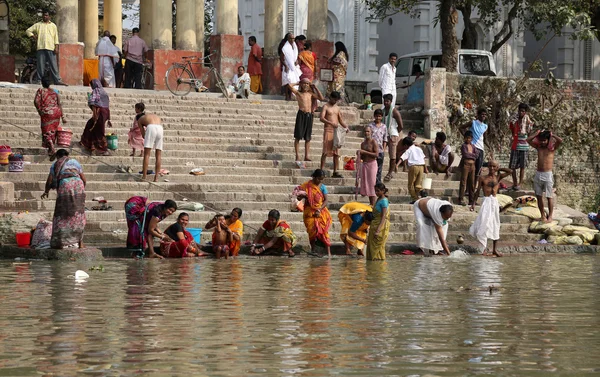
<point x="5" y="151"/>
<point x="64" y="138"/>
<point x="23" y="239"/>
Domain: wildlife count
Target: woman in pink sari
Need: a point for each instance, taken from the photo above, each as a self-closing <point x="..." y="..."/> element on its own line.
<point x="47" y="104"/>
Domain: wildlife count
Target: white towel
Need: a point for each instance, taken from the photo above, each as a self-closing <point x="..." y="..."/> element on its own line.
<point x="487" y="223"/>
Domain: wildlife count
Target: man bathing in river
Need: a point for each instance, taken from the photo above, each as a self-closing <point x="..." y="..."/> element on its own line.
<point x="152" y="132"/>
<point x="221" y="237"/>
<point x="432" y="217"/>
<point x="307" y="97"/>
<point x="546" y="144"/>
<point x="487" y="224"/>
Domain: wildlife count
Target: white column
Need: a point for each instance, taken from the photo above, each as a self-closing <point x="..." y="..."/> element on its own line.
<point x="67" y="20"/>
<point x="146" y="7"/>
<point x="162" y="25"/>
<point x="90" y="28"/>
<point x="273" y="26"/>
<point x="186" y="25"/>
<point x="227" y="17"/>
<point x="316" y="29"/>
<point x="200" y="25"/>
<point x="113" y="19"/>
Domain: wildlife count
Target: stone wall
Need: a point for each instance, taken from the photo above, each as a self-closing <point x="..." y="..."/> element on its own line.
<point x="577" y="174"/>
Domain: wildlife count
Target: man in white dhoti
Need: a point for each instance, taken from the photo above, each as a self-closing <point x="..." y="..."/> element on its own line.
<point x="240" y="84"/>
<point x="487" y="224"/>
<point x="108" y="56"/>
<point x="432" y="217"/>
<point x="289" y="63"/>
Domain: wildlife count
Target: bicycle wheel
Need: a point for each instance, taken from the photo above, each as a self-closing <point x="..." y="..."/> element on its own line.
<point x="148" y="80"/>
<point x="179" y="80"/>
<point x="219" y="82"/>
<point x="33" y="76"/>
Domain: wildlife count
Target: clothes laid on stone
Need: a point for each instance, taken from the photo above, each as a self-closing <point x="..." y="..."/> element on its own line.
<point x="291" y="72"/>
<point x="69" y="218"/>
<point x="134" y="137"/>
<point x="303" y="126"/>
<point x="368" y="178"/>
<point x="427" y="237"/>
<point x="316" y="227"/>
<point x="352" y="220"/>
<point x="47" y="103"/>
<point x="487" y="223"/>
<point x="93" y="136"/>
<point x="108" y="56"/>
<point x="138" y="214"/>
<point x="376" y="243"/>
<point x="286" y="239"/>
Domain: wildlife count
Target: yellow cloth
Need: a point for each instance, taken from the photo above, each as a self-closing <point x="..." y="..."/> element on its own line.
<point x="376" y="245"/>
<point x="256" y="84"/>
<point x="234" y="246"/>
<point x="344" y="214"/>
<point x="46" y="33"/>
<point x="90" y="70"/>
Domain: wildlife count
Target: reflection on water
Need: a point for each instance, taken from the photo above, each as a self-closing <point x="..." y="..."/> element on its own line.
<point x="305" y="317"/>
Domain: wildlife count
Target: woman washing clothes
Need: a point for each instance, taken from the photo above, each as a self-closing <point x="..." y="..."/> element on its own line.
<point x="179" y="243"/>
<point x="93" y="137"/>
<point x="275" y="235"/>
<point x="355" y="218"/>
<point x="317" y="218"/>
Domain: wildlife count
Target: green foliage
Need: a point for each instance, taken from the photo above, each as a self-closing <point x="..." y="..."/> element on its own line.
<point x="23" y="14"/>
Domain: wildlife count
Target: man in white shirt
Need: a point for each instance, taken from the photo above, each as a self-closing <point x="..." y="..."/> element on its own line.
<point x="108" y="55"/>
<point x="416" y="167"/>
<point x="239" y="86"/>
<point x="387" y="77"/>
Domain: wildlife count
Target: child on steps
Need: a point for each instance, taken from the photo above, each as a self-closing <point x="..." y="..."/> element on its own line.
<point x="135" y="138"/>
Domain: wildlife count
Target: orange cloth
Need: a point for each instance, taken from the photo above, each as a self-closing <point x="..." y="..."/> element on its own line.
<point x="317" y="227"/>
<point x="328" y="149"/>
<point x="90" y="70"/>
<point x="234" y="245"/>
<point x="307" y="58"/>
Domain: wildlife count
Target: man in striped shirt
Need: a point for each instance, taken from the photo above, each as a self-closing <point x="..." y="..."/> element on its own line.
<point x="46" y="34"/>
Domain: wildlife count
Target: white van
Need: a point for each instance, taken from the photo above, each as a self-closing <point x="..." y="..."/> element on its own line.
<point x="470" y="62"/>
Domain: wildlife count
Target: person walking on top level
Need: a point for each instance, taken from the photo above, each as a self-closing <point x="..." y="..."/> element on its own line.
<point x="387" y="77"/>
<point x="46" y="35"/>
<point x="134" y="52"/>
<point x="108" y="56"/>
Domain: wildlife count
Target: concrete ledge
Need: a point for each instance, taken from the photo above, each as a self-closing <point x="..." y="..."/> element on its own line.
<point x="85" y="254"/>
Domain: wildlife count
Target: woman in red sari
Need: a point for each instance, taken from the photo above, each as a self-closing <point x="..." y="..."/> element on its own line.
<point x="274" y="235"/>
<point x="47" y="104"/>
<point x="179" y="243"/>
<point x="93" y="137"/>
<point x="317" y="218"/>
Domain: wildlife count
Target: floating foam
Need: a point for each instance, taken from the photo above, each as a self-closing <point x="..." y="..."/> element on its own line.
<point x="459" y="254"/>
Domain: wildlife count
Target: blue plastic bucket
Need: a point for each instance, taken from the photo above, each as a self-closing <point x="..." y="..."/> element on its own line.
<point x="196" y="233"/>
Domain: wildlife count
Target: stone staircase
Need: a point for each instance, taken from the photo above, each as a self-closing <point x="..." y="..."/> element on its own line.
<point x="244" y="146"/>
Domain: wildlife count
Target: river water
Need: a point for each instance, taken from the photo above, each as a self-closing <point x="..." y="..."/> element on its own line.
<point x="409" y="316"/>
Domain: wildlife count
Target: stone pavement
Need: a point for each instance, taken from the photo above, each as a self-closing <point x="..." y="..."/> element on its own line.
<point x="244" y="146"/>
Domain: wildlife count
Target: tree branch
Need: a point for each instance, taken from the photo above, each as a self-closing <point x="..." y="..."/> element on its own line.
<point x="506" y="31"/>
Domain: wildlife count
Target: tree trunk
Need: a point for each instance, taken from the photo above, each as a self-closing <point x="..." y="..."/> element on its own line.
<point x="469" y="36"/>
<point x="449" y="41"/>
<point x="596" y="21"/>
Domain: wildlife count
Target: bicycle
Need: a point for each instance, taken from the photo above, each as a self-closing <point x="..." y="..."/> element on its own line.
<point x="29" y="72"/>
<point x="180" y="77"/>
<point x="147" y="78"/>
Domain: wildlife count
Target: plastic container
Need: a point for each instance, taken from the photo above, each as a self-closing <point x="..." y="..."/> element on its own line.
<point x="5" y="151"/>
<point x="427" y="183"/>
<point x="63" y="138"/>
<point x="23" y="239"/>
<point x="113" y="142"/>
<point x="196" y="233"/>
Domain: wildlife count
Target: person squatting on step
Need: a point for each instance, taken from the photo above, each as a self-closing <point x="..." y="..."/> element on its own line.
<point x="431" y="216"/>
<point x="152" y="131"/>
<point x="546" y="144"/>
<point x="307" y="97"/>
<point x="331" y="116"/>
<point x="487" y="224"/>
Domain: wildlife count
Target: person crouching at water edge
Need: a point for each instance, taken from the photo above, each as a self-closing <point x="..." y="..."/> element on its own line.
<point x="432" y="217"/>
<point x="317" y="218"/>
<point x="355" y="219"/>
<point x="275" y="235"/>
<point x="380" y="226"/>
<point x="179" y="243"/>
<point x="487" y="224"/>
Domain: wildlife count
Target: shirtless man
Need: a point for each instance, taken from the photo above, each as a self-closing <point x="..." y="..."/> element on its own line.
<point x="368" y="153"/>
<point x="432" y="217"/>
<point x="152" y="132"/>
<point x="221" y="237"/>
<point x="440" y="155"/>
<point x="331" y="117"/>
<point x="306" y="96"/>
<point x="546" y="144"/>
<point x="487" y="224"/>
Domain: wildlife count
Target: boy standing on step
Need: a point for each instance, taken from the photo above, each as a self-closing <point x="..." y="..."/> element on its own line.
<point x="152" y="132"/>
<point x="331" y="117"/>
<point x="416" y="167"/>
<point x="307" y="98"/>
<point x="546" y="144"/>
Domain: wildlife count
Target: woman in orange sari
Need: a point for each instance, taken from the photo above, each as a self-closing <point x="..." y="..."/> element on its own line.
<point x="47" y="104"/>
<point x="308" y="60"/>
<point x="317" y="218"/>
<point x="235" y="227"/>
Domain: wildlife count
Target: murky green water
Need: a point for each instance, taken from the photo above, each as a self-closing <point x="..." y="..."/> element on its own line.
<point x="283" y="317"/>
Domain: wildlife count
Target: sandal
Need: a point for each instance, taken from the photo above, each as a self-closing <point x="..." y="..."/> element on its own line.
<point x="388" y="177"/>
<point x="337" y="175"/>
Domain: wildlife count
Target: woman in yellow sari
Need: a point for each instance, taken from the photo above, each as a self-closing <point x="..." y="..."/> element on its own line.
<point x="317" y="218"/>
<point x="339" y="62"/>
<point x="380" y="227"/>
<point x="355" y="218"/>
<point x="308" y="61"/>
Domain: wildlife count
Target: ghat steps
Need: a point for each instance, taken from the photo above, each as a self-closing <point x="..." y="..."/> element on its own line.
<point x="244" y="146"/>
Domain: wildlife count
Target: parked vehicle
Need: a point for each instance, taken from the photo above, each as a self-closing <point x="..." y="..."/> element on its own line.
<point x="411" y="66"/>
<point x="29" y="71"/>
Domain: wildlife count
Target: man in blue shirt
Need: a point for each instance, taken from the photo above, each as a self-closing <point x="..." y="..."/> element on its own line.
<point x="478" y="127"/>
